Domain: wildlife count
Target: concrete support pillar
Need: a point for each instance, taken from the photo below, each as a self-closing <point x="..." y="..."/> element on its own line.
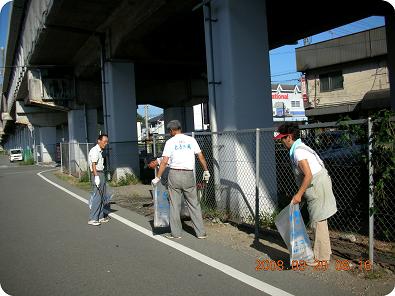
<point x="76" y="126"/>
<point x="82" y="129"/>
<point x="183" y="114"/>
<point x="238" y="67"/>
<point x="119" y="104"/>
<point x="77" y="134"/>
<point x="390" y="30"/>
<point x="91" y="119"/>
<point x="47" y="142"/>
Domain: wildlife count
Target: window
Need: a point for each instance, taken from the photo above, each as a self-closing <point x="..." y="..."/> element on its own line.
<point x="331" y="81"/>
<point x="295" y="104"/>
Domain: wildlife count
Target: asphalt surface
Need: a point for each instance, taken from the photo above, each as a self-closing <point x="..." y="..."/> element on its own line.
<point x="47" y="248"/>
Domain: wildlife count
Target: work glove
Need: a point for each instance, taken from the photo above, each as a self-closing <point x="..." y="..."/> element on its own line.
<point x="97" y="181"/>
<point x="206" y="176"/>
<point x="155" y="181"/>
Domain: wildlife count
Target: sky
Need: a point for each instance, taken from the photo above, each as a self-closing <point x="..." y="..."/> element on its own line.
<point x="282" y="59"/>
<point x="4" y="20"/>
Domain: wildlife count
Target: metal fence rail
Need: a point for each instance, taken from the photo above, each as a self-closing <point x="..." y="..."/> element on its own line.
<point x="239" y="179"/>
<point x="245" y="190"/>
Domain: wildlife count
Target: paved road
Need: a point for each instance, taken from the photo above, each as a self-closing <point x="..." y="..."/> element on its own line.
<point x="47" y="248"/>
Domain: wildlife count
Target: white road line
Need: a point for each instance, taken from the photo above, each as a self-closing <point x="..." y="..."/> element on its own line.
<point x="238" y="275"/>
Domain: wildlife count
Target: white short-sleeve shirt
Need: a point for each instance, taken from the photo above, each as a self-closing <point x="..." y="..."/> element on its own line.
<point x="181" y="150"/>
<point x="95" y="155"/>
<point x="301" y="154"/>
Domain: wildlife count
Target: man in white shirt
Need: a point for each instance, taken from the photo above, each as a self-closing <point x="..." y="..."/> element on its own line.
<point x="181" y="150"/>
<point x="96" y="165"/>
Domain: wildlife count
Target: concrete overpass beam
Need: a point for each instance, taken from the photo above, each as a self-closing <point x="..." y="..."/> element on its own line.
<point x="119" y="104"/>
<point x="237" y="52"/>
<point x="183" y="114"/>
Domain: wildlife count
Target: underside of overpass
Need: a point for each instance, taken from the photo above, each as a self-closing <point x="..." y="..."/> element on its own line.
<point x="168" y="49"/>
<point x="164" y="39"/>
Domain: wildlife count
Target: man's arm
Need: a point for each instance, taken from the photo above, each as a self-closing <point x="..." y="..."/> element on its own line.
<point x="202" y="161"/>
<point x="308" y="176"/>
<point x="94" y="171"/>
<point x="162" y="167"/>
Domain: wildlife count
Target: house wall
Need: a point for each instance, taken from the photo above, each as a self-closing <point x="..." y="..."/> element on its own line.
<point x="359" y="78"/>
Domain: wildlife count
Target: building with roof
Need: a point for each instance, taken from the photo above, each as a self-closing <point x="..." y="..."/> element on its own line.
<point x="287" y="102"/>
<point x="346" y="76"/>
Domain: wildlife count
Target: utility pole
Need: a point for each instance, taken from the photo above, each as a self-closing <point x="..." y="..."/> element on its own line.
<point x="146" y="122"/>
<point x="307" y="41"/>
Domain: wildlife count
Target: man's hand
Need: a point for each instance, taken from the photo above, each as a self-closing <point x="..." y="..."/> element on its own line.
<point x="155" y="181"/>
<point x="97" y="181"/>
<point x="296" y="199"/>
<point x="206" y="176"/>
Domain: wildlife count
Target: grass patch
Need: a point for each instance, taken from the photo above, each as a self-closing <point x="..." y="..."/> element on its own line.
<point x="29" y="161"/>
<point x="210" y="213"/>
<point x="266" y="219"/>
<point x="82" y="184"/>
<point x="126" y="180"/>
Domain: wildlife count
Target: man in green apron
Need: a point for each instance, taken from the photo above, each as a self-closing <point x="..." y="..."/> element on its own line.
<point x="314" y="184"/>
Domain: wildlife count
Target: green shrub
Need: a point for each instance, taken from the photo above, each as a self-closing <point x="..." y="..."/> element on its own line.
<point x="266" y="219"/>
<point x="84" y="177"/>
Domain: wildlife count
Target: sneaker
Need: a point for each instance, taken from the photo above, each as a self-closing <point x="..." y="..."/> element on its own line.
<point x="104" y="220"/>
<point x="204" y="236"/>
<point x="94" y="223"/>
<point x="171" y="236"/>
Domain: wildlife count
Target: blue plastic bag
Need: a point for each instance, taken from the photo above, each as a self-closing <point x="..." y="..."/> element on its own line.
<point x="292" y="229"/>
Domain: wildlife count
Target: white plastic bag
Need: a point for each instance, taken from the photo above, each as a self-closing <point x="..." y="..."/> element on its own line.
<point x="161" y="206"/>
<point x="293" y="231"/>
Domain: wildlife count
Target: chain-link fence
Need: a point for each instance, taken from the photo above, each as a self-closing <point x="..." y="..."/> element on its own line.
<point x="46" y="153"/>
<point x="252" y="174"/>
<point x="73" y="157"/>
<point x="242" y="186"/>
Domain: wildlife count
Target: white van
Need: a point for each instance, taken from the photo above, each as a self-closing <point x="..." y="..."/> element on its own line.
<point x="15" y="154"/>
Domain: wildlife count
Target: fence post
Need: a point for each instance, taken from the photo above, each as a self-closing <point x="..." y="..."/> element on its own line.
<point x="61" y="159"/>
<point x="371" y="195"/>
<point x="78" y="161"/>
<point x="154" y="143"/>
<point x="154" y="151"/>
<point x="257" y="186"/>
<point x="87" y="162"/>
<point x="69" y="158"/>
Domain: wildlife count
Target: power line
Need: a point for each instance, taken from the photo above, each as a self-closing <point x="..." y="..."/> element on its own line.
<point x="283" y="74"/>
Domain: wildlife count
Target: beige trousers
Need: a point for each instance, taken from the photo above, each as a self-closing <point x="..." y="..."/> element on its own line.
<point x="322" y="244"/>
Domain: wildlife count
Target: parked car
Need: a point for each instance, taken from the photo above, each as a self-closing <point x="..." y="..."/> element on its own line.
<point x="339" y="147"/>
<point x="16" y="154"/>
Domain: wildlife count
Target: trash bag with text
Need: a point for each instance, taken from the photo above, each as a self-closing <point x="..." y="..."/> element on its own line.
<point x="292" y="229"/>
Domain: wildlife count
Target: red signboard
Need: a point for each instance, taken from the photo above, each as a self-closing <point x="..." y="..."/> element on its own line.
<point x="279" y="96"/>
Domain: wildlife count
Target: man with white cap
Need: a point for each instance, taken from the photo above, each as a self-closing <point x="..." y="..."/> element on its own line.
<point x="180" y="149"/>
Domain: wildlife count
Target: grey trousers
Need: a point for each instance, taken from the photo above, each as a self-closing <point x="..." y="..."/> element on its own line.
<point x="183" y="182"/>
